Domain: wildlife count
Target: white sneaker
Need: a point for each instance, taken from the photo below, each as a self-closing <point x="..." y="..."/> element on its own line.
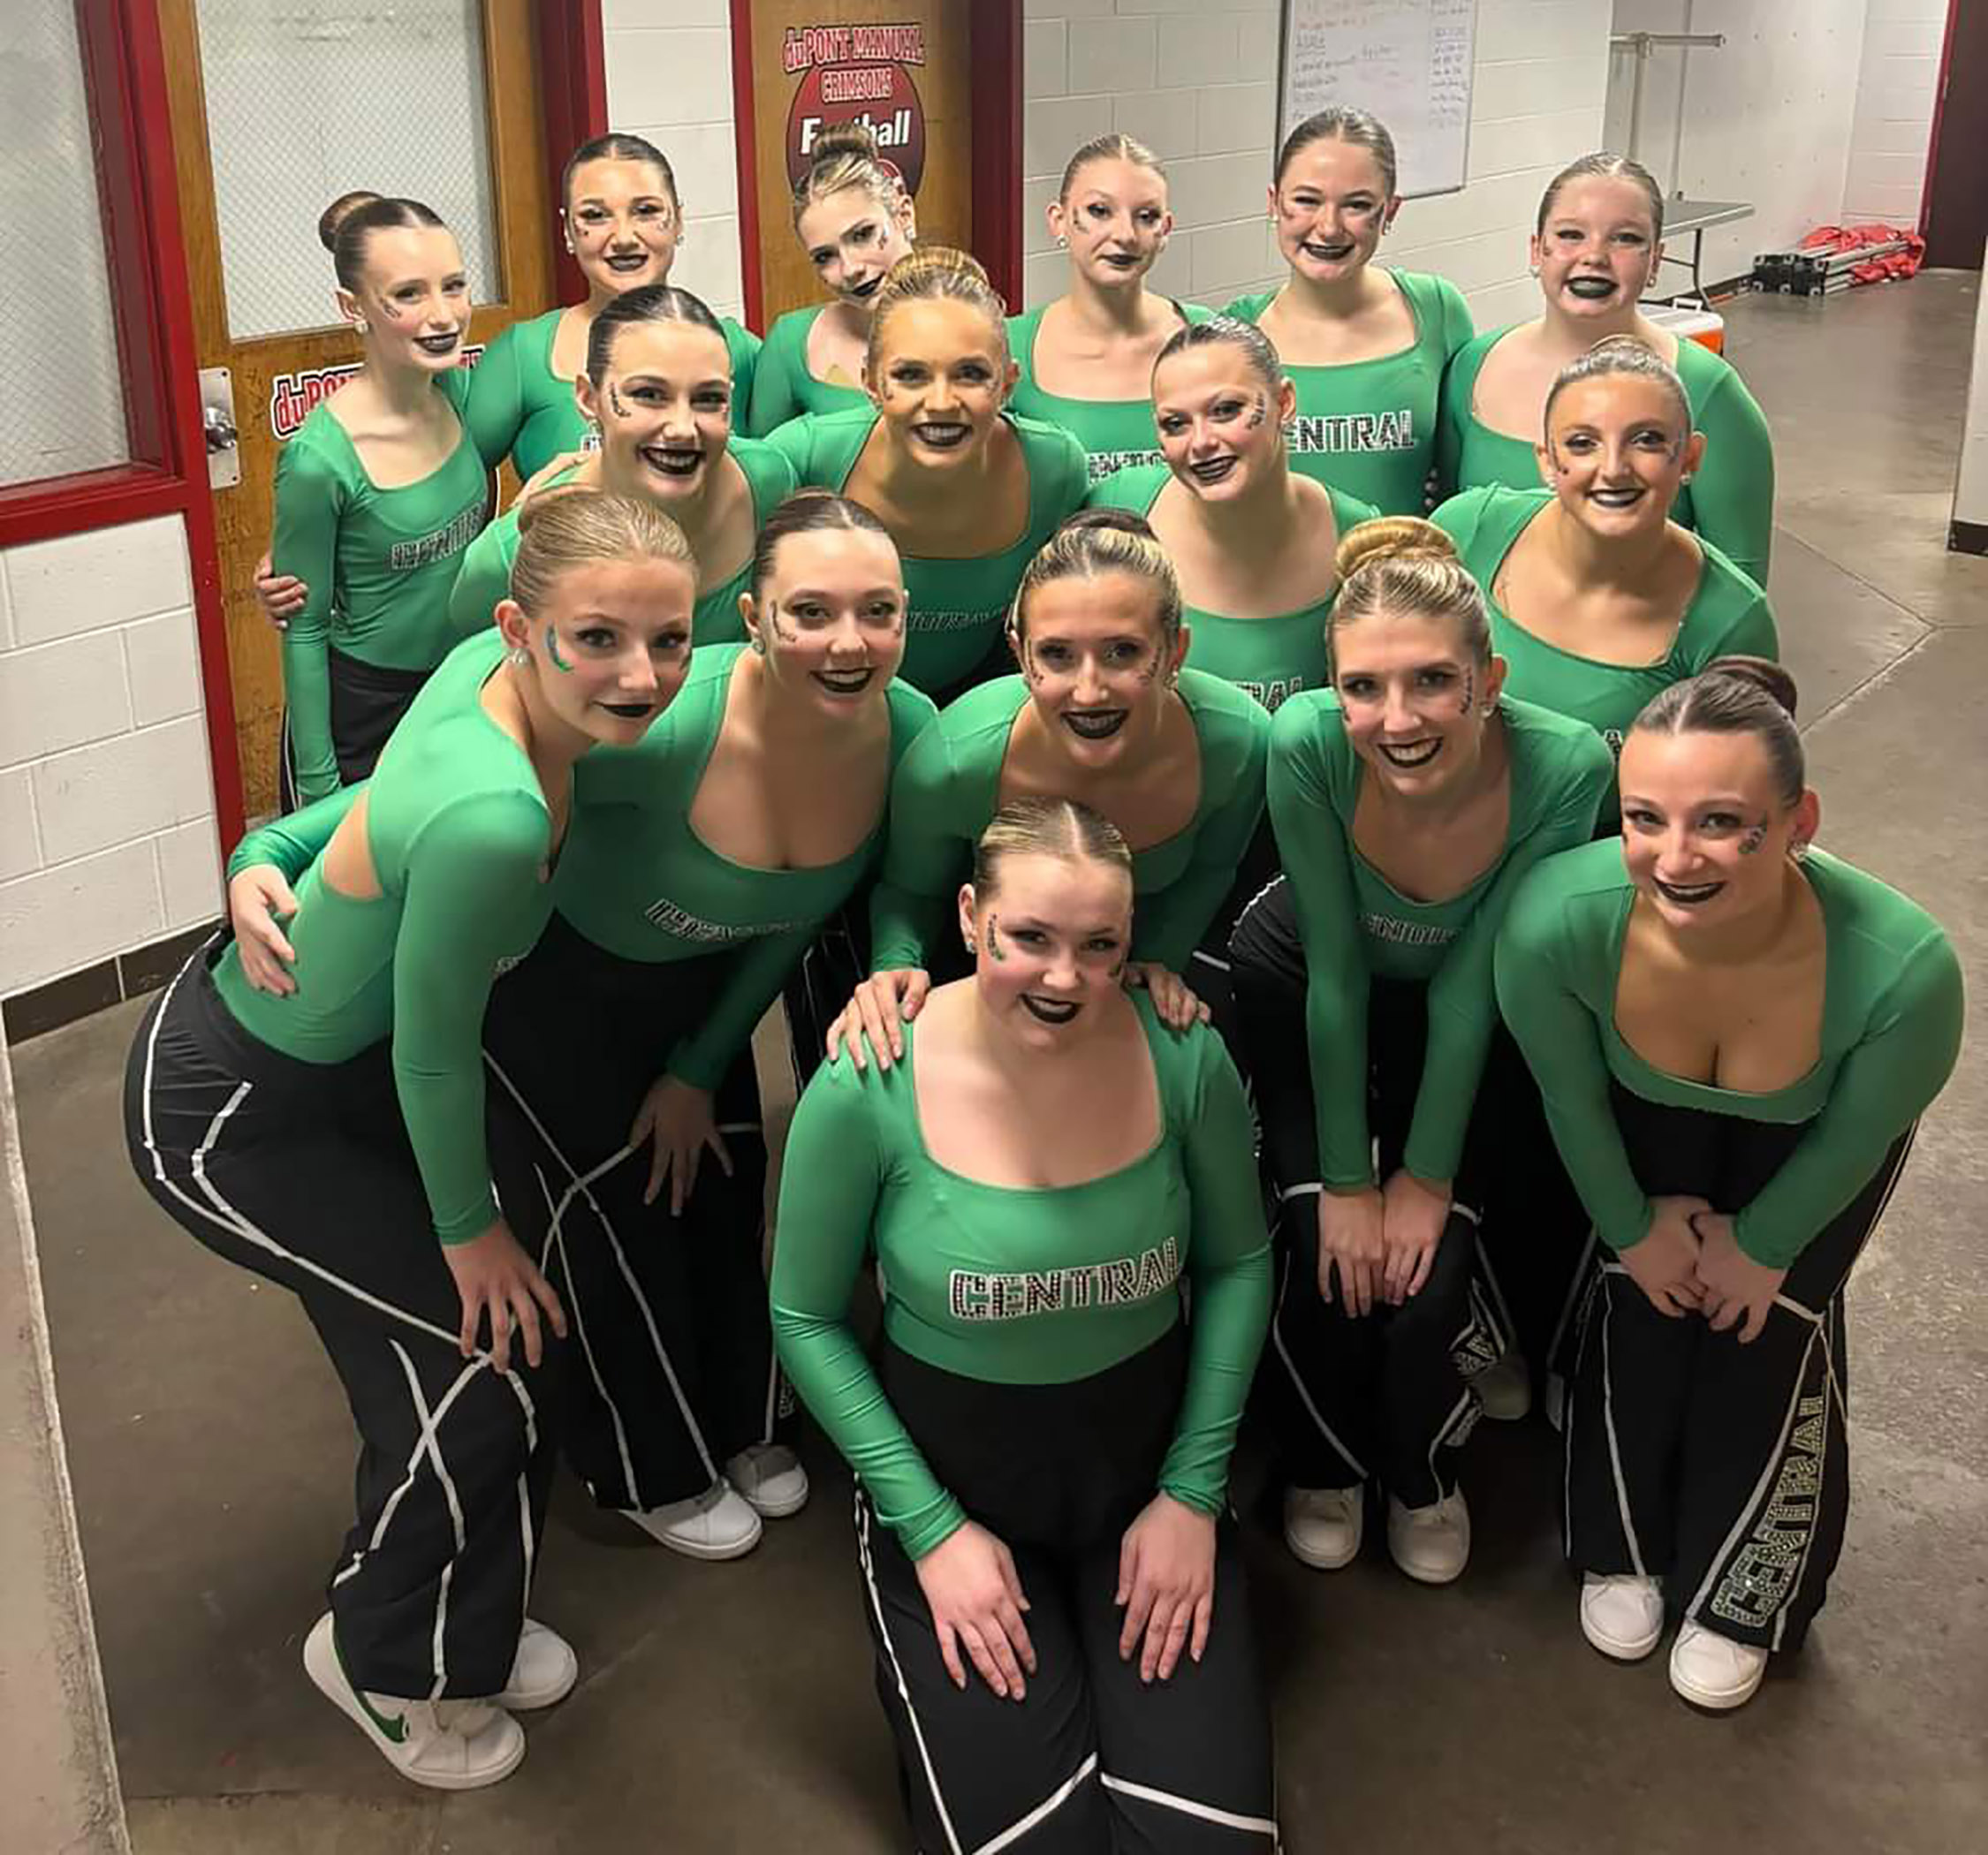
<point x="715" y="1525"/>
<point x="543" y="1671"/>
<point x="770" y="1478"/>
<point x="1322" y="1525"/>
<point x="1506" y="1390"/>
<point x="1713" y="1670"/>
<point x="445" y="1744"/>
<point x="1621" y="1613"/>
<point x="1431" y="1544"/>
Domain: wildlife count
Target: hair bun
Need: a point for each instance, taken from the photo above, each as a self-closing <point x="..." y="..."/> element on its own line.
<point x="1762" y="672"/>
<point x="839" y="138"/>
<point x="340" y="209"/>
<point x="1391" y="537"/>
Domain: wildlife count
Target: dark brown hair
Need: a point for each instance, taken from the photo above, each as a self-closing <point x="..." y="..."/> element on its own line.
<point x="1228" y="331"/>
<point x="1095" y="541"/>
<point x="1736" y="696"/>
<point x="617" y="146"/>
<point x="651" y="303"/>
<point x="343" y="227"/>
<point x="1340" y="123"/>
<point x="811" y="511"/>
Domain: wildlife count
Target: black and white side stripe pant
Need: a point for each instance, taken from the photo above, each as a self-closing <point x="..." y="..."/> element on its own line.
<point x="675" y="1372"/>
<point x="1384" y="1396"/>
<point x="1721" y="1468"/>
<point x="1091" y="1761"/>
<point x="302" y="1172"/>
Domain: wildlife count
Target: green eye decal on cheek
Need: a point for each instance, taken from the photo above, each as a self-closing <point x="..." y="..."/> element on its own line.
<point x="552" y="651"/>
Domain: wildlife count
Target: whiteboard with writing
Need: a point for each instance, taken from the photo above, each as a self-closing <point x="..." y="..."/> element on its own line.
<point x="1408" y="62"/>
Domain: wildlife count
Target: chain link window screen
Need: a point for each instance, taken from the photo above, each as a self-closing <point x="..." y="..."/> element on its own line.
<point x="308" y="99"/>
<point x="60" y="374"/>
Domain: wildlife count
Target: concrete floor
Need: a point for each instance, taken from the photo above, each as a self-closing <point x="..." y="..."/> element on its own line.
<point x="730" y="1709"/>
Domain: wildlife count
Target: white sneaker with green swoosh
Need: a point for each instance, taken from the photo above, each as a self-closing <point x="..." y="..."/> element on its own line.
<point x="447" y="1744"/>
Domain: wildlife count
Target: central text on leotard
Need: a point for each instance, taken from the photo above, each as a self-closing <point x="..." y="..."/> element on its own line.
<point x="1407" y="934"/>
<point x="975" y="1295"/>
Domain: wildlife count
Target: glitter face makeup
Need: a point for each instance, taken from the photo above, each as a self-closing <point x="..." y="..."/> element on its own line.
<point x="415" y="297"/>
<point x="852" y="239"/>
<point x="553" y="650"/>
<point x="1329" y="208"/>
<point x="669" y="399"/>
<point x="993" y="942"/>
<point x="940" y="375"/>
<point x="1059" y="951"/>
<point x="1218" y="425"/>
<point x="617" y="633"/>
<point x="834" y="608"/>
<point x="1094" y="656"/>
<point x="1616" y="451"/>
<point x="1598" y="251"/>
<point x="1753" y="840"/>
<point x="1409" y="692"/>
<point x="624" y="223"/>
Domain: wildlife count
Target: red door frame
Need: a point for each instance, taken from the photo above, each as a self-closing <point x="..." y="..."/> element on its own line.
<point x="124" y="72"/>
<point x="996" y="176"/>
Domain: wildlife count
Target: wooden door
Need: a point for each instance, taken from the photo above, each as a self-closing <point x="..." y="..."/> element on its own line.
<point x="1956" y="214"/>
<point x="278" y="374"/>
<point x="908" y="67"/>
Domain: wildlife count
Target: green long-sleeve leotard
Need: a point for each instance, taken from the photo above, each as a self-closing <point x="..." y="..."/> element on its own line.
<point x="958" y="607"/>
<point x="1272" y="658"/>
<point x="1116" y="434"/>
<point x="1017" y="1286"/>
<point x="520" y="409"/>
<point x="1893" y="1006"/>
<point x="1730" y="502"/>
<point x="783" y="389"/>
<point x="1353" y="922"/>
<point x="1728" y="613"/>
<point x="377" y="564"/>
<point x="948" y="785"/>
<point x="486" y="568"/>
<point x="636" y="879"/>
<point x="1369" y="427"/>
<point x="458" y="834"/>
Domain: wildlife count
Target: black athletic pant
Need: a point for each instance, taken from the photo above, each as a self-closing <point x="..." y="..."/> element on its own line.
<point x="1091" y="1761"/>
<point x="675" y="1372"/>
<point x="303" y="1173"/>
<point x="1721" y="1468"/>
<point x="1385" y="1394"/>
<point x="367" y="700"/>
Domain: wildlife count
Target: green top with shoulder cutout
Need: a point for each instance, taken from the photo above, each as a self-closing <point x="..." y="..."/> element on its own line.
<point x="1730" y="502"/>
<point x="520" y="409"/>
<point x="1353" y="922"/>
<point x="958" y="607"/>
<point x="1017" y="1286"/>
<point x="635" y="879"/>
<point x="1893" y="1008"/>
<point x="1369" y="427"/>
<point x="459" y="833"/>
<point x="377" y="564"/>
<point x="1272" y="658"/>
<point x="948" y="785"/>
<point x="1116" y="434"/>
<point x="1728" y="614"/>
<point x="486" y="568"/>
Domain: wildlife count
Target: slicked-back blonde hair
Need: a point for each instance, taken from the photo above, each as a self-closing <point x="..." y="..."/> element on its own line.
<point x="1403" y="565"/>
<point x="574" y="525"/>
<point x="1095" y="541"/>
<point x="1037" y="826"/>
<point x="845" y="157"/>
<point x="932" y="274"/>
<point x="1115" y="145"/>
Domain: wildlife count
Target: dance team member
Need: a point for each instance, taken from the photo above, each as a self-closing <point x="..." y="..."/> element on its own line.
<point x="1252" y="543"/>
<point x="1086" y="359"/>
<point x="1408" y="801"/>
<point x="1041" y="1448"/>
<point x="700" y="866"/>
<point x="657" y="385"/>
<point x="311" y="1107"/>
<point x="855" y="220"/>
<point x="1599" y="599"/>
<point x="1596" y="251"/>
<point x="624" y="223"/>
<point x="1365" y="346"/>
<point x="377" y="496"/>
<point x="1736" y="1033"/>
<point x="968" y="490"/>
<point x="1104" y="715"/>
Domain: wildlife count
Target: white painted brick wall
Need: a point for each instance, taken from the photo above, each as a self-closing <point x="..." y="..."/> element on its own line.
<point x="669" y="77"/>
<point x="1892" y="129"/>
<point x="1210" y="114"/>
<point x="108" y="838"/>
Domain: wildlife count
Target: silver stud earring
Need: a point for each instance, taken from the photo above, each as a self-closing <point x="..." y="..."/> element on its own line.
<point x="517" y="657"/>
<point x="759" y="647"/>
<point x="1062" y="241"/>
<point x="1488" y="710"/>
